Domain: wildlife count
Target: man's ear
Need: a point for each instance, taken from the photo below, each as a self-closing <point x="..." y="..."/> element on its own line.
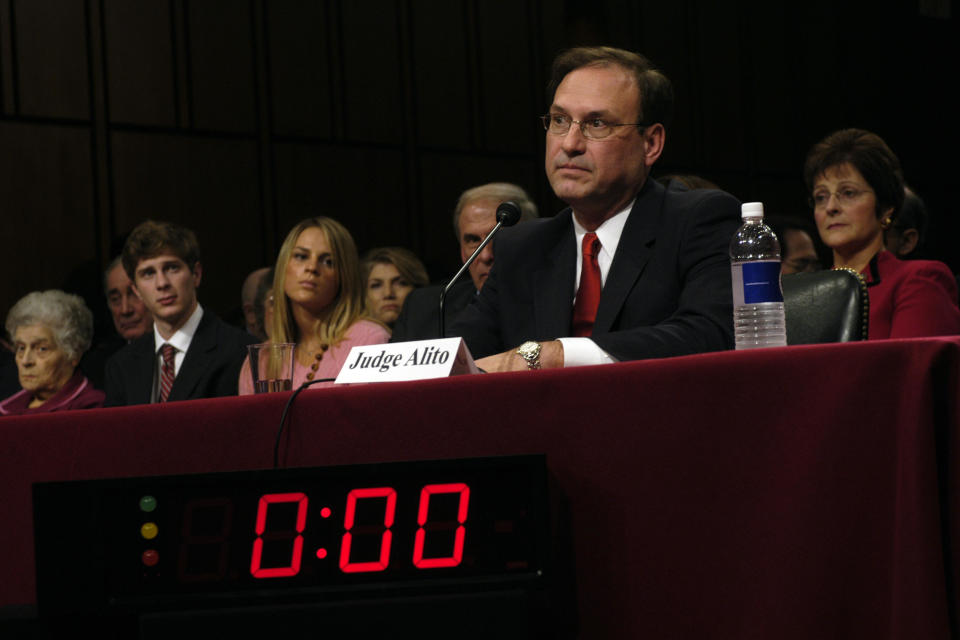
<point x="654" y="137"/>
<point x="197" y="271"/>
<point x="908" y="242"/>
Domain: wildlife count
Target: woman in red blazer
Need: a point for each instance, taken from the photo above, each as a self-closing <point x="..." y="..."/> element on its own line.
<point x="856" y="188"/>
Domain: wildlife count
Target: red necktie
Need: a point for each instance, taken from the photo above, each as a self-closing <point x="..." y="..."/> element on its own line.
<point x="167" y="371"/>
<point x="588" y="295"/>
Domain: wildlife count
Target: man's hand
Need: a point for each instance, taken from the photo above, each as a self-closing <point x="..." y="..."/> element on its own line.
<point x="551" y="357"/>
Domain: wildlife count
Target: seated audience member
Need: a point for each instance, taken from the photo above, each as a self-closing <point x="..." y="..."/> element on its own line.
<point x="798" y="253"/>
<point x="906" y="235"/>
<point x="263" y="302"/>
<point x="631" y="270"/>
<point x="318" y="302"/>
<point x="9" y="380"/>
<point x="130" y="319"/>
<point x="190" y="353"/>
<point x="474" y="216"/>
<point x="856" y="188"/>
<point x="51" y="330"/>
<point x="390" y="274"/>
<point x="248" y="303"/>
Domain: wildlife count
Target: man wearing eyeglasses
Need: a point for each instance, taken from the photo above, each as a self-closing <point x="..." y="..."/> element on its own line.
<point x="632" y="269"/>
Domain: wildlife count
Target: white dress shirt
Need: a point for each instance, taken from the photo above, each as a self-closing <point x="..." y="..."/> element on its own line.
<point x="583" y="351"/>
<point x="180" y="340"/>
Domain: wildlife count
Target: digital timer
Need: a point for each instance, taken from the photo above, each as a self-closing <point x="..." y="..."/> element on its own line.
<point x="149" y="544"/>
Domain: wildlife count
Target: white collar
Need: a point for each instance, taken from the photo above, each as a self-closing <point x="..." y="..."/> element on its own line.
<point x="608" y="232"/>
<point x="183" y="336"/>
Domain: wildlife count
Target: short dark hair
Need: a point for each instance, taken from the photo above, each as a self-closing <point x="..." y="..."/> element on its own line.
<point x="913" y="215"/>
<point x="780" y="224"/>
<point x="656" y="91"/>
<point x="150" y="239"/>
<point x="869" y="154"/>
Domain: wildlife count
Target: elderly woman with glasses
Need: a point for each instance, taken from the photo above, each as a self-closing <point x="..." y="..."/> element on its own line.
<point x="856" y="190"/>
<point x="50" y="331"/>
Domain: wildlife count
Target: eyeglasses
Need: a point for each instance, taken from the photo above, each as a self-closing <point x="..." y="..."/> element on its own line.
<point x="844" y="196"/>
<point x="595" y="128"/>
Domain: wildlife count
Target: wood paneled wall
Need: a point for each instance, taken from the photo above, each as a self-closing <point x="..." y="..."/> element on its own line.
<point x="239" y="117"/>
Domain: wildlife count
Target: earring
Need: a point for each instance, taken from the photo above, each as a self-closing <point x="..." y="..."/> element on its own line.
<point x="886" y="222"/>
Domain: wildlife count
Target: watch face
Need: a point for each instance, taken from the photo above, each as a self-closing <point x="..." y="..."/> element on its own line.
<point x="530" y="351"/>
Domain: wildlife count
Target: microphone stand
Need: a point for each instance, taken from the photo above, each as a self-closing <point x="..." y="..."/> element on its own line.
<point x="508" y="214"/>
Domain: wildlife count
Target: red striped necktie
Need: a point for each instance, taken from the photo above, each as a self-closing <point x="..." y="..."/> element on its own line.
<point x="588" y="294"/>
<point x="167" y="371"/>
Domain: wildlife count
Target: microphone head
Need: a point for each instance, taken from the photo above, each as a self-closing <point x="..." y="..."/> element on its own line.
<point x="508" y="214"/>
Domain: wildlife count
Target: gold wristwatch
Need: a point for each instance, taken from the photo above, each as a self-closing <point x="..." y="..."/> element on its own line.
<point x="530" y="351"/>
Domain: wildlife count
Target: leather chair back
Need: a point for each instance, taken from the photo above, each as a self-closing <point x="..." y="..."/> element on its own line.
<point x="825" y="306"/>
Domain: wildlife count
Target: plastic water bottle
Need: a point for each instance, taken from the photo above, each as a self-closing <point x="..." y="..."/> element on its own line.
<point x="758" y="319"/>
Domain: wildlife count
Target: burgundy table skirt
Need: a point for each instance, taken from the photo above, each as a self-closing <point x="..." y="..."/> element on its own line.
<point x="798" y="492"/>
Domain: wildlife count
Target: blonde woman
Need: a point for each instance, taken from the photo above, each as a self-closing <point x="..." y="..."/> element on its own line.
<point x="318" y="302"/>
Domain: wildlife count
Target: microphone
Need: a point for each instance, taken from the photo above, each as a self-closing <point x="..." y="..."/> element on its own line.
<point x="508" y="214"/>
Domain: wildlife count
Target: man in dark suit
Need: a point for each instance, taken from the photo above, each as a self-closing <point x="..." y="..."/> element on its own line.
<point x="130" y="318"/>
<point x="632" y="269"/>
<point x="190" y="353"/>
<point x="473" y="218"/>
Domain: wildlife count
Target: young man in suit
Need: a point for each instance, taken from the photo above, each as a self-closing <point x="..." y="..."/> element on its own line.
<point x="190" y="353"/>
<point x="632" y="269"/>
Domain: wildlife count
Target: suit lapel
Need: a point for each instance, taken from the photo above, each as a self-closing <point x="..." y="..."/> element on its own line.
<point x="553" y="282"/>
<point x="191" y="371"/>
<point x="633" y="252"/>
<point x="142" y="370"/>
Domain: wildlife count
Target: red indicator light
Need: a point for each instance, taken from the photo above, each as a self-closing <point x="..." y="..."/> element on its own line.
<point x="325" y="512"/>
<point x="150" y="557"/>
<point x="462" y="507"/>
<point x="321" y="553"/>
<point x="278" y="572"/>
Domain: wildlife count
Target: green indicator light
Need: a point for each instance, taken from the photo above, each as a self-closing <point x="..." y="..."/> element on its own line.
<point x="148" y="503"/>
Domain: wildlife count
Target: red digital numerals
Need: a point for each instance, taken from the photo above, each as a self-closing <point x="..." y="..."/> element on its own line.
<point x="422" y="514"/>
<point x="278" y="572"/>
<point x="391" y="507"/>
<point x="389" y="497"/>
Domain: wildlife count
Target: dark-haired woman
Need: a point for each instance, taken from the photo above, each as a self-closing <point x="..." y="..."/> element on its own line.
<point x="856" y="188"/>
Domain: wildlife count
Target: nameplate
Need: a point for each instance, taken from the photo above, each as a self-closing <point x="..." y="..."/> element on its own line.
<point x="420" y="360"/>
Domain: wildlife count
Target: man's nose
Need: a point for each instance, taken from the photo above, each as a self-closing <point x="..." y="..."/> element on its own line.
<point x="126" y="307"/>
<point x="574" y="142"/>
<point x="487" y="254"/>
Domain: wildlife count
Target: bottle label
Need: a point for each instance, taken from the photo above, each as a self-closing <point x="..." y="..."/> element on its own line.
<point x="756" y="282"/>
